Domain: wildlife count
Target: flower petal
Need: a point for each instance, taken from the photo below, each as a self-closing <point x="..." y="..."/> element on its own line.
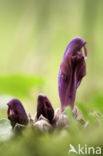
<point x="45" y="108"/>
<point x="16" y="113"/>
<point x="74" y="46"/>
<point x="72" y="70"/>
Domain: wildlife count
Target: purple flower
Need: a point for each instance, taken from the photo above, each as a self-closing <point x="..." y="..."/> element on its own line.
<point x="72" y="70"/>
<point x="16" y="113"/>
<point x="45" y="108"/>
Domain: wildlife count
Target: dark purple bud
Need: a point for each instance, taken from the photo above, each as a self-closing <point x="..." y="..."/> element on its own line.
<point x="45" y="108"/>
<point x="72" y="70"/>
<point x="16" y="113"/>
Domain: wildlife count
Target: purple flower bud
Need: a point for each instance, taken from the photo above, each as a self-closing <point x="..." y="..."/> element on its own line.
<point x="45" y="108"/>
<point x="72" y="70"/>
<point x="16" y="113"/>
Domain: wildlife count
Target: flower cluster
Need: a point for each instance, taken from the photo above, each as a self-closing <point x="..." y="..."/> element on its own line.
<point x="72" y="70"/>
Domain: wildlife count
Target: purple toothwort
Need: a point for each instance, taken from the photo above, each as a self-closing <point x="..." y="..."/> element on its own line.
<point x="72" y="70"/>
<point x="45" y="108"/>
<point x="16" y="113"/>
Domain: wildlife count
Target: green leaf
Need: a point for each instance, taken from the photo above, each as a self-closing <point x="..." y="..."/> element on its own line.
<point x="19" y="85"/>
<point x="5" y="129"/>
<point x="72" y="120"/>
<point x="83" y="109"/>
<point x="69" y="113"/>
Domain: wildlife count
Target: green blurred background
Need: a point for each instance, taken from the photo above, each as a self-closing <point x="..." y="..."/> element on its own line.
<point x="33" y="37"/>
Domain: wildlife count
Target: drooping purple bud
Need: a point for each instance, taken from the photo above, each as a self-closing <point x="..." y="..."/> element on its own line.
<point x="72" y="70"/>
<point x="45" y="108"/>
<point x="16" y="113"/>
